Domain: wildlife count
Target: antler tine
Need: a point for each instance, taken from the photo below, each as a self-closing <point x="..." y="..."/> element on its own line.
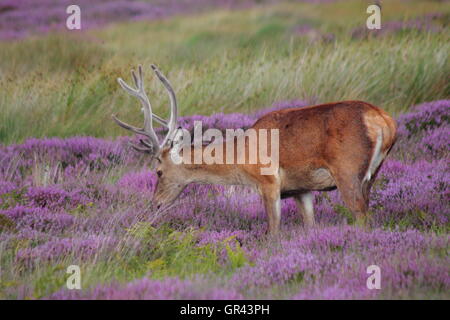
<point x="151" y="145"/>
<point x="129" y="126"/>
<point x="173" y="119"/>
<point x="161" y="121"/>
<point x="127" y="88"/>
<point x="147" y="131"/>
<point x="136" y="79"/>
<point x="145" y="143"/>
<point x="138" y="82"/>
<point x="138" y="148"/>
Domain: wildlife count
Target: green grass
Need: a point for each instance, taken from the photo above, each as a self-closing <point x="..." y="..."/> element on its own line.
<point x="65" y="84"/>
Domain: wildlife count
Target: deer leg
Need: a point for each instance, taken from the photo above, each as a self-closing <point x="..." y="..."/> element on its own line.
<point x="354" y="195"/>
<point x="367" y="185"/>
<point x="272" y="204"/>
<point x="306" y="209"/>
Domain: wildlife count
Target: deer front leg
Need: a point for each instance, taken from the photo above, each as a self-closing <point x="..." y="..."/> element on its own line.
<point x="272" y="203"/>
<point x="305" y="206"/>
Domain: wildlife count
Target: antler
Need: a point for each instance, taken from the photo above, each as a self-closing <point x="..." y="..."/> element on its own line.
<point x="151" y="144"/>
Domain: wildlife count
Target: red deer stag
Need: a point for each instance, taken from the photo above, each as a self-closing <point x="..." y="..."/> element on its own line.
<point x="336" y="145"/>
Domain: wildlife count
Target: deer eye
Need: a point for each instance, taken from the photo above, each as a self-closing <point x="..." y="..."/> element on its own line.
<point x="159" y="173"/>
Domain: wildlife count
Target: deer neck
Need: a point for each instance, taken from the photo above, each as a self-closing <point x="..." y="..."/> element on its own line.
<point x="215" y="173"/>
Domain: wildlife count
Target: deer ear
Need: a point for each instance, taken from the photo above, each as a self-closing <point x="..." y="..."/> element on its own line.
<point x="176" y="145"/>
<point x="176" y="138"/>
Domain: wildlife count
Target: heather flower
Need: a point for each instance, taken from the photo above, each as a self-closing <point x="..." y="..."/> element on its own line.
<point x="38" y="219"/>
<point x="436" y="142"/>
<point x="62" y="248"/>
<point x="424" y="24"/>
<point x="25" y="17"/>
<point x="422" y="186"/>
<point x="53" y="197"/>
<point x="330" y="263"/>
<point x="425" y="116"/>
<point x="141" y="181"/>
<point x="78" y="200"/>
<point x="147" y="289"/>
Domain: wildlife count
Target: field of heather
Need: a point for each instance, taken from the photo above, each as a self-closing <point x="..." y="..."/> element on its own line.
<point x="72" y="191"/>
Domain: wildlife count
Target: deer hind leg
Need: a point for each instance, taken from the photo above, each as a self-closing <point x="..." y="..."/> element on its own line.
<point x="353" y="194"/>
<point x="376" y="161"/>
<point x="272" y="203"/>
<point x="306" y="209"/>
<point x="354" y="188"/>
<point x="367" y="185"/>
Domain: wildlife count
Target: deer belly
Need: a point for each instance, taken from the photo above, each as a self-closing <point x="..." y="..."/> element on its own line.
<point x="317" y="179"/>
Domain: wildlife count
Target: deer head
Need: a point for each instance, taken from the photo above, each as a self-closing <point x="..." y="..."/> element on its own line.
<point x="172" y="178"/>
